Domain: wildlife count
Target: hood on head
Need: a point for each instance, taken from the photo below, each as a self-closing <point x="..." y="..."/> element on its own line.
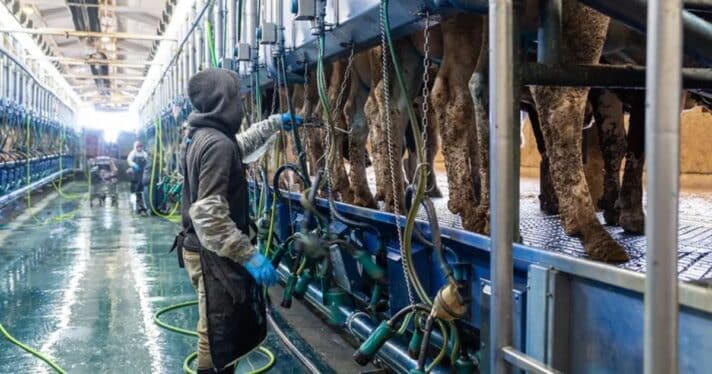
<point x="215" y="96"/>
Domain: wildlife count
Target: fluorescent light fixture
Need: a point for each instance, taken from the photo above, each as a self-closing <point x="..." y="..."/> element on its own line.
<point x="165" y="52"/>
<point x="28" y="10"/>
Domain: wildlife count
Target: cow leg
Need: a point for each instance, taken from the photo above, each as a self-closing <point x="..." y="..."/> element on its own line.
<point x="374" y="121"/>
<point x="354" y="115"/>
<point x="608" y="112"/>
<point x="454" y="111"/>
<point x="548" y="202"/>
<point x="561" y="112"/>
<point x="630" y="200"/>
<point x="479" y="92"/>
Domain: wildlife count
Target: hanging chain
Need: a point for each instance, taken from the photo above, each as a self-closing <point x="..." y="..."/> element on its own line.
<point x="391" y="149"/>
<point x="426" y="94"/>
<point x="275" y="94"/>
<point x="342" y="89"/>
<point x="303" y="133"/>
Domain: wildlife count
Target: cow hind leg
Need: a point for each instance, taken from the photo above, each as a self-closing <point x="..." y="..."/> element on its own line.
<point x="561" y="112"/>
<point x="630" y="200"/>
<point x="608" y="112"/>
<point x="548" y="202"/>
<point x="358" y="158"/>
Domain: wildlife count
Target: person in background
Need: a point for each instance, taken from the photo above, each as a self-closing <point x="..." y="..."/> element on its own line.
<point x="215" y="244"/>
<point x="137" y="160"/>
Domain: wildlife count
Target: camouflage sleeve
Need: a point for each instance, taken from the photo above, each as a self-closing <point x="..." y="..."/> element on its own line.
<point x="252" y="138"/>
<point x="217" y="232"/>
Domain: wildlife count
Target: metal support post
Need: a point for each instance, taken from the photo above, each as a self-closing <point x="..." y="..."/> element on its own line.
<point x="231" y="28"/>
<point x="549" y="35"/>
<point x="662" y="143"/>
<point x="206" y="45"/>
<point x="502" y="181"/>
<point x="219" y="27"/>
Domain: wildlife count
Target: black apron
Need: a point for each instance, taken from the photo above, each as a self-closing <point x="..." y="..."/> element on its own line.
<point x="236" y="309"/>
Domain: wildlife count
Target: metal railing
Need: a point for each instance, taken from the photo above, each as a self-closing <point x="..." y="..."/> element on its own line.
<point x="663" y="89"/>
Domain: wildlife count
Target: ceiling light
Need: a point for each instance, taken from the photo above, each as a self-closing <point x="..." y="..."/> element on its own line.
<point x="28" y="10"/>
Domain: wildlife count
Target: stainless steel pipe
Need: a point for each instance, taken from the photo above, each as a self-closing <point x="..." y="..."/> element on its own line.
<point x="662" y="143"/>
<point x="501" y="19"/>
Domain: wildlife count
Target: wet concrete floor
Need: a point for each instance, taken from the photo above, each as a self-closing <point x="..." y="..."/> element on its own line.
<point x="83" y="291"/>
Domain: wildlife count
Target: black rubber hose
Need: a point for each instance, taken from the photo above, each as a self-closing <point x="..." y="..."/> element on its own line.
<point x="350" y="222"/>
<point x="277" y="174"/>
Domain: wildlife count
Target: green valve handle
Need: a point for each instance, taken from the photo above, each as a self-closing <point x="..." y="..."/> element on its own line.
<point x="336" y="298"/>
<point x="300" y="289"/>
<point x="414" y="345"/>
<point x="464" y="365"/>
<point x="288" y="291"/>
<point x="373" y="270"/>
<point x="375" y="341"/>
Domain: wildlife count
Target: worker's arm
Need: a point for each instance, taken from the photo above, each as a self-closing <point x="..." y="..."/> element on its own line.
<point x="258" y="133"/>
<point x="130" y="159"/>
<point x="211" y="213"/>
<point x="254" y="137"/>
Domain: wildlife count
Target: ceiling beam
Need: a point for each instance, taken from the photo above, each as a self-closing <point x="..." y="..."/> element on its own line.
<point x="89" y="61"/>
<point x="93" y="34"/>
<point x="55" y="12"/>
<point x="120" y="77"/>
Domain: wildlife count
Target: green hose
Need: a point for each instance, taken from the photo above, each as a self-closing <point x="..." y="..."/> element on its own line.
<point x="211" y="43"/>
<point x="191" y="357"/>
<point x="422" y="176"/>
<point x="158" y="148"/>
<point x="31" y="351"/>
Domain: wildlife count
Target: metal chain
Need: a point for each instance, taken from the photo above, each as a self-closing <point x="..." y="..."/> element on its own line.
<point x="426" y="92"/>
<point x="275" y="94"/>
<point x="303" y="133"/>
<point x="342" y="89"/>
<point x="391" y="149"/>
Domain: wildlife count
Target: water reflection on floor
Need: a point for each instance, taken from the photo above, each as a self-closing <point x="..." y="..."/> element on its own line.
<point x="84" y="291"/>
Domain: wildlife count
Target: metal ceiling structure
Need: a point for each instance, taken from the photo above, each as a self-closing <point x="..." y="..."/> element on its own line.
<point x="112" y="42"/>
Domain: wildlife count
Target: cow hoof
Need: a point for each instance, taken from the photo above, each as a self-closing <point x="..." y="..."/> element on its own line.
<point x="611" y="216"/>
<point x="601" y="247"/>
<point x="477" y="221"/>
<point x="550" y="208"/>
<point x="632" y="222"/>
<point x="365" y="202"/>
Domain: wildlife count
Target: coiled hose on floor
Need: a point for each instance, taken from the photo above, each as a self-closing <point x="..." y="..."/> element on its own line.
<point x="191" y="357"/>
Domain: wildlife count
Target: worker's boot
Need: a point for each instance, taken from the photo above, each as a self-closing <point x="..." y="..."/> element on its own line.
<point x="227" y="370"/>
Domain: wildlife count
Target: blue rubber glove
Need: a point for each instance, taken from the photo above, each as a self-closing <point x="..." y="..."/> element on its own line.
<point x="136" y="168"/>
<point x="262" y="270"/>
<point x="287" y="121"/>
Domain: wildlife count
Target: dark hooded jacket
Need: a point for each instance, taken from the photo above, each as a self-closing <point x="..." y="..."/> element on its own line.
<point x="212" y="166"/>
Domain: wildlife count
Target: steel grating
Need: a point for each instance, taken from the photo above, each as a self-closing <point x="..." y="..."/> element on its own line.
<point x="545" y="232"/>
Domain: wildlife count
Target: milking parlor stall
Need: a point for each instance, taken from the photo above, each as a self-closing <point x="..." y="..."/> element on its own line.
<point x="479" y="185"/>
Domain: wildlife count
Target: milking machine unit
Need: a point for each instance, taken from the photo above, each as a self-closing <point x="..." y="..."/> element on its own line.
<point x="35" y="145"/>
